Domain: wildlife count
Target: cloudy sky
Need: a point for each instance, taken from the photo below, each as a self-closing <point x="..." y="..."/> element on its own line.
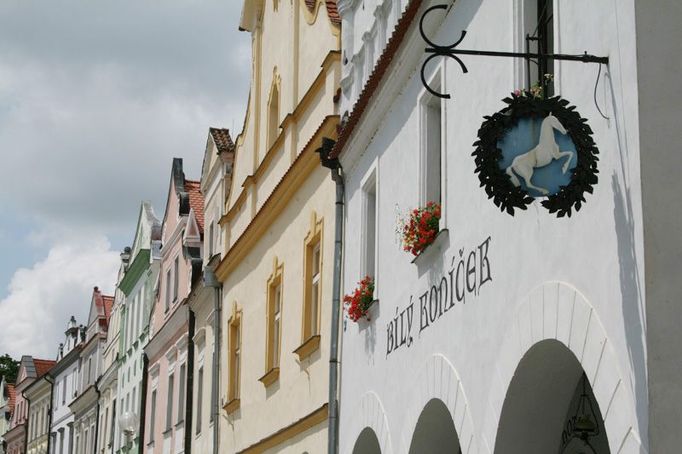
<point x="96" y="97"/>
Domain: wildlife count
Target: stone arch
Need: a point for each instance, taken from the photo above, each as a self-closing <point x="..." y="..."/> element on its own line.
<point x="438" y="379"/>
<point x="556" y="310"/>
<point x="371" y="414"/>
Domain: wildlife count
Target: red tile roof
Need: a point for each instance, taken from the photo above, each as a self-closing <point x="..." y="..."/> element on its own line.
<point x="377" y="75"/>
<point x="108" y="304"/>
<point x="222" y="139"/>
<point x="196" y="201"/>
<point x="332" y="11"/>
<point x="12" y="396"/>
<point x="43" y="365"/>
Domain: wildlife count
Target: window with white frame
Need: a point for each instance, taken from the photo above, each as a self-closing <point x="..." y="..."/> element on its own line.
<point x="369" y="225"/>
<point x="537" y="36"/>
<point x="169" y="407"/>
<point x="181" y="394"/>
<point x="200" y="399"/>
<point x="431" y="147"/>
<point x="176" y="277"/>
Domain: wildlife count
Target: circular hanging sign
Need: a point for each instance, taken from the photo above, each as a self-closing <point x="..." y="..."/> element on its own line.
<point x="536" y="148"/>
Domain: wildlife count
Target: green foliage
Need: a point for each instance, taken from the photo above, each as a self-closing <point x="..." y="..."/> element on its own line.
<point x="9" y="368"/>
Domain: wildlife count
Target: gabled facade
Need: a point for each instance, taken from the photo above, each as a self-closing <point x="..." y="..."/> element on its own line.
<point x="65" y="388"/>
<point x="206" y="302"/>
<point x="39" y="396"/>
<point x="107" y="383"/>
<point x="277" y="228"/>
<point x="171" y="330"/>
<point x="137" y="286"/>
<point x="84" y="406"/>
<point x="29" y="371"/>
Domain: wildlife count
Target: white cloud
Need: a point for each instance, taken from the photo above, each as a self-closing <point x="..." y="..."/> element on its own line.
<point x="42" y="298"/>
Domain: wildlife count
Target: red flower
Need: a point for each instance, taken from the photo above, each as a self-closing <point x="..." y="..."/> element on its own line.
<point x="421" y="228"/>
<point x="362" y="297"/>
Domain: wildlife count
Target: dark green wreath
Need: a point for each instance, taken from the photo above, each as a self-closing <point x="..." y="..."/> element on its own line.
<point x="487" y="155"/>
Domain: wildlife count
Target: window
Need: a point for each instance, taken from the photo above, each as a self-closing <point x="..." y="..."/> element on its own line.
<point x="176" y="266"/>
<point x="200" y="399"/>
<point x="169" y="408"/>
<point x="274" y="331"/>
<point x="181" y="394"/>
<point x="273" y="114"/>
<point x="431" y="140"/>
<point x="64" y="390"/>
<point x="234" y="360"/>
<point x="369" y="226"/>
<point x="538" y="37"/>
<point x="152" y="417"/>
<point x="113" y="420"/>
<point x="168" y="289"/>
<point x="210" y="240"/>
<point x="312" y="276"/>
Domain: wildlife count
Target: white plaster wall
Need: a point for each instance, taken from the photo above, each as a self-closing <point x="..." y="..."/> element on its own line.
<point x="536" y="259"/>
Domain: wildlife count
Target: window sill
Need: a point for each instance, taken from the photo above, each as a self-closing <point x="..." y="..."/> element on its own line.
<point x="270" y="377"/>
<point x="308" y="347"/>
<point x="429" y="251"/>
<point x="167" y="432"/>
<point x="231" y="406"/>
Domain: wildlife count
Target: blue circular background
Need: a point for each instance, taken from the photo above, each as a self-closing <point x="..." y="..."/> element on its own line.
<point x="524" y="137"/>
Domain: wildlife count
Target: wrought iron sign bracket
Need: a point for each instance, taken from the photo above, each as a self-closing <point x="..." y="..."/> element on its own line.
<point x="452" y="52"/>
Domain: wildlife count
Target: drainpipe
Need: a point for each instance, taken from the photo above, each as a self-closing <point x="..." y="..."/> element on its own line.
<point x="337" y="176"/>
<point x="143" y="405"/>
<point x="50" y="380"/>
<point x="211" y="281"/>
<point x="189" y="383"/>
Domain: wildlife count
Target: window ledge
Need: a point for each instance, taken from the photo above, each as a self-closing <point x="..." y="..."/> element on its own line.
<point x="308" y="347"/>
<point x="429" y="251"/>
<point x="231" y="406"/>
<point x="270" y="377"/>
<point x="167" y="432"/>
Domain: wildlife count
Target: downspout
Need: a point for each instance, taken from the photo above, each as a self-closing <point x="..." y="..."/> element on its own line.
<point x="50" y="380"/>
<point x="189" y="383"/>
<point x="211" y="281"/>
<point x="28" y="420"/>
<point x="143" y="404"/>
<point x="96" y="415"/>
<point x="337" y="176"/>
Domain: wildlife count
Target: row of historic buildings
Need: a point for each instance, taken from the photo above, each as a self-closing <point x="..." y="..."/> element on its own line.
<point x="510" y="296"/>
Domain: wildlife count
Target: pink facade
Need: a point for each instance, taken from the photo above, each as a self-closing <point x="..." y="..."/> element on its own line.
<point x="168" y="361"/>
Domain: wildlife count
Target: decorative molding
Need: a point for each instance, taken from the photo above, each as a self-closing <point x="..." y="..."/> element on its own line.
<point x="270" y="377"/>
<point x="308" y="347"/>
<point x="307" y="422"/>
<point x="307" y="162"/>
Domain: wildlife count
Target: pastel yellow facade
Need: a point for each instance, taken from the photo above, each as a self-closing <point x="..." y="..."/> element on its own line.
<point x="277" y="235"/>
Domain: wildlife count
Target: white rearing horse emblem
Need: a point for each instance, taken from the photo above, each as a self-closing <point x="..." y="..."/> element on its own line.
<point x="544" y="153"/>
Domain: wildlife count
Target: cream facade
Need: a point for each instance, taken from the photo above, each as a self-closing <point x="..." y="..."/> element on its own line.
<point x="38" y="395"/>
<point x="206" y="303"/>
<point x="278" y="237"/>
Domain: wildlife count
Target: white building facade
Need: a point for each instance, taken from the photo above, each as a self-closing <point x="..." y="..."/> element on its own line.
<point x="508" y="331"/>
<point x="65" y="389"/>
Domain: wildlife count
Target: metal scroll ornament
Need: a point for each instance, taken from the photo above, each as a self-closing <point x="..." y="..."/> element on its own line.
<point x="536" y="148"/>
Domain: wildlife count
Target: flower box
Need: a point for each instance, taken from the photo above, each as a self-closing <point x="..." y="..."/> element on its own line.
<point x="359" y="301"/>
